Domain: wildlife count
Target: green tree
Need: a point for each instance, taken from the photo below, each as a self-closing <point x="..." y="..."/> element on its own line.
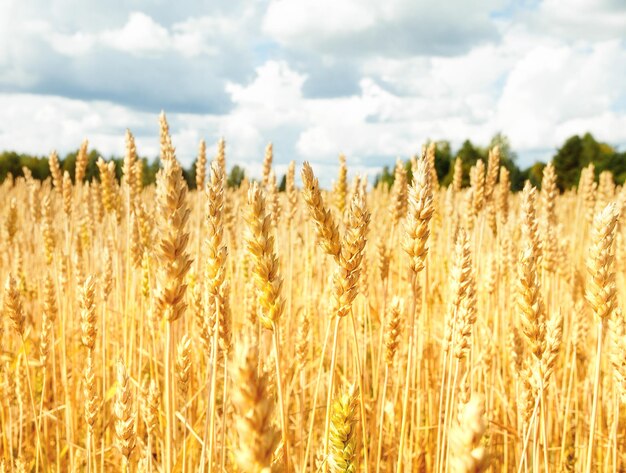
<point x="235" y="177"/>
<point x="282" y="187"/>
<point x="190" y="175"/>
<point x="69" y="164"/>
<point x="469" y="155"/>
<point x="443" y="159"/>
<point x="535" y="174"/>
<point x="617" y="165"/>
<point x="386" y="178"/>
<point x="508" y="159"/>
<point x="150" y="170"/>
<point x="92" y="169"/>
<point x="38" y="166"/>
<point x="10" y="163"/>
<point x="578" y="152"/>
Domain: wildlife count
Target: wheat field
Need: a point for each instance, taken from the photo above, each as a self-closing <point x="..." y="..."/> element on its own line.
<point x="411" y="329"/>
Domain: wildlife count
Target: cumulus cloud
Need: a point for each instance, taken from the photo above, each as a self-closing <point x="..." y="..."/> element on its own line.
<point x="132" y="59"/>
<point x="141" y="34"/>
<point x="40" y="124"/>
<point x="371" y="79"/>
<point x="594" y="20"/>
<point x="332" y="38"/>
<point x="394" y="28"/>
<point x="553" y="85"/>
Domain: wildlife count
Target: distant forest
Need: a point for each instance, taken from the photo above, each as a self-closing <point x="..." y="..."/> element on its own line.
<point x="576" y="153"/>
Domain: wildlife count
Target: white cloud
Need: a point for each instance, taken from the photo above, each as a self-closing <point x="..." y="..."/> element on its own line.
<point x="39" y="124"/>
<point x="310" y="21"/>
<point x="371" y="79"/>
<point x="133" y="59"/>
<point x="394" y="27"/>
<point x="196" y="36"/>
<point x="191" y="38"/>
<point x="551" y="86"/>
<point x="76" y="44"/>
<point x="271" y="101"/>
<point x="275" y="88"/>
<point x="577" y="20"/>
<point x="141" y="34"/>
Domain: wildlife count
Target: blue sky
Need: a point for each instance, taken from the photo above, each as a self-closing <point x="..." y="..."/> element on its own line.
<point x="371" y="79"/>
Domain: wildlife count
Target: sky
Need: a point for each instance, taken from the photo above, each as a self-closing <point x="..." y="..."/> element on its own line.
<point x="371" y="79"/>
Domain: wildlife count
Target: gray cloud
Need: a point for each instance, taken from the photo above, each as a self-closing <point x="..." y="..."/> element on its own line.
<point x="317" y="77"/>
<point x="397" y="28"/>
<point x="181" y="65"/>
<point x="321" y="39"/>
<point x="413" y="36"/>
<point x="339" y="79"/>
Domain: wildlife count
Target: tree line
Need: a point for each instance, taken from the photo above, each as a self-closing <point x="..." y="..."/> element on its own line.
<point x="576" y="153"/>
<point x="14" y="163"/>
